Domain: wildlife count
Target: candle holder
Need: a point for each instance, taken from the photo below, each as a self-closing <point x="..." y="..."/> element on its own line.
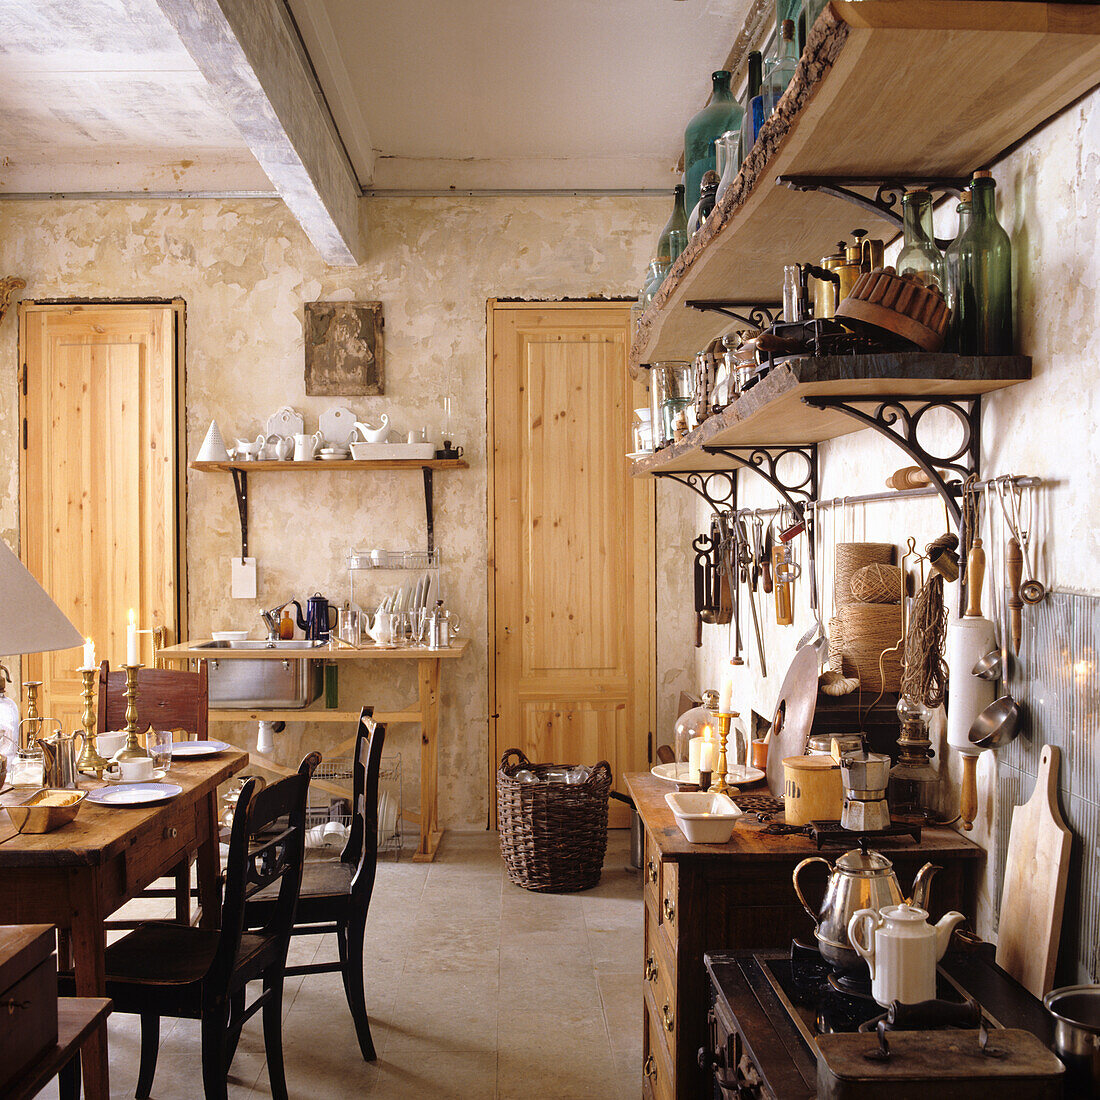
<point x="132" y="750"/>
<point x="719" y="785"/>
<point x="90" y="762"/>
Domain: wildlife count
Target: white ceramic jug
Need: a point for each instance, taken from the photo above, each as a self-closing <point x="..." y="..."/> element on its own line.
<point x="901" y="949"/>
<point x="305" y="446"/>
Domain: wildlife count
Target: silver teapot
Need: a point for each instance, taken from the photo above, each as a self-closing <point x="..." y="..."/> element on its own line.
<point x="858" y="880"/>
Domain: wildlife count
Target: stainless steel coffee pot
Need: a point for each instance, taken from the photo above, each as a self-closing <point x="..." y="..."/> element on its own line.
<point x="858" y="880"/>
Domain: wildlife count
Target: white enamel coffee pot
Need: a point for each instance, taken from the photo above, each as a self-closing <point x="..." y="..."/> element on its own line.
<point x="901" y="949"/>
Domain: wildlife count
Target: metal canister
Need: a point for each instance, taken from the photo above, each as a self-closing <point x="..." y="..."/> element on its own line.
<point x="825" y="294"/>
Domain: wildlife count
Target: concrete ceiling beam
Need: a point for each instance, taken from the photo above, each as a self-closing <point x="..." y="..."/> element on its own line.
<point x="250" y="53"/>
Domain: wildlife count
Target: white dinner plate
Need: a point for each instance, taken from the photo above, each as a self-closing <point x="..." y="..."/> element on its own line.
<point x="737" y="776"/>
<point x="198" y="748"/>
<point x="134" y="794"/>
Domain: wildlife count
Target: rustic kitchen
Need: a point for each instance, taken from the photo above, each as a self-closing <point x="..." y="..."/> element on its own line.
<point x="549" y="522"/>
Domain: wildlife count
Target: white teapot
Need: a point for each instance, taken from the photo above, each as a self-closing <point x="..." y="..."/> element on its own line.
<point x="374" y="435"/>
<point x="382" y="629"/>
<point x="901" y="949"/>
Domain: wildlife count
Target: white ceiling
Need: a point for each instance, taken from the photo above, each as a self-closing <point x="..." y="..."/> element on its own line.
<point x="100" y="95"/>
<point x="433" y="94"/>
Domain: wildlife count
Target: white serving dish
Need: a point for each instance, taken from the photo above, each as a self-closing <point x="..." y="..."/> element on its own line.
<point x="366" y="452"/>
<point x="739" y="775"/>
<point x="704" y="818"/>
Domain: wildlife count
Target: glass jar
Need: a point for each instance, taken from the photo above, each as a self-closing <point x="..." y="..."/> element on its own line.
<point x="985" y="277"/>
<point x="919" y="255"/>
<point x="675" y="382"/>
<point x="722" y="113"/>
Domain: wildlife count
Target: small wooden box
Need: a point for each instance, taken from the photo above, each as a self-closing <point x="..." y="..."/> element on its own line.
<point x="947" y="1065"/>
<point x="28" y="997"/>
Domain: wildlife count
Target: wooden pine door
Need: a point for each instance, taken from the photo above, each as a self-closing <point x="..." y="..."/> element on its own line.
<point x="571" y="571"/>
<point x="100" y="518"/>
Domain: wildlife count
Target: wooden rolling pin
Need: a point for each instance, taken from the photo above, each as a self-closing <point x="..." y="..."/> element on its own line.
<point x="975" y="578"/>
<point x="1014" y="565"/>
<point x="909" y="477"/>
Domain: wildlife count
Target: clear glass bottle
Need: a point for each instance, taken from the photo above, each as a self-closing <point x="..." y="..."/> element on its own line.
<point x="780" y="69"/>
<point x="754" y="104"/>
<point x="919" y="255"/>
<point x="722" y="113"/>
<point x="985" y="276"/>
<point x="673" y="238"/>
<point x="728" y="161"/>
<point x="9" y="719"/>
<point x="951" y="272"/>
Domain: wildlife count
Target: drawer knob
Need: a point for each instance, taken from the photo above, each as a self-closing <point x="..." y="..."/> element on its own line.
<point x="652" y="867"/>
<point x="670" y="1023"/>
<point x="670" y="909"/>
<point x="651" y="969"/>
<point x="649" y="1068"/>
<point x="170" y="833"/>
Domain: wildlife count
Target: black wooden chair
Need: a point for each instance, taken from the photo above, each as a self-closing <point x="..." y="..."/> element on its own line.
<point x="163" y="969"/>
<point x="335" y="895"/>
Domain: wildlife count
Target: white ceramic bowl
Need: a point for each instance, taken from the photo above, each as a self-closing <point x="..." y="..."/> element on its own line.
<point x="229" y="635"/>
<point x="704" y="818"/>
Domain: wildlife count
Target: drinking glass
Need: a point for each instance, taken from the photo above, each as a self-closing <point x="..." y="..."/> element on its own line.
<point x="159" y="744"/>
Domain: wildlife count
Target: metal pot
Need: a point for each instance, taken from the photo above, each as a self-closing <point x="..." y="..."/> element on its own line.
<point x="1076" y="1012"/>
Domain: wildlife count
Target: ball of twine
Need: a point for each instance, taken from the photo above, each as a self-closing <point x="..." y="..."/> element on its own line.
<point x="853" y="556"/>
<point x="876" y="583"/>
<point x="869" y="629"/>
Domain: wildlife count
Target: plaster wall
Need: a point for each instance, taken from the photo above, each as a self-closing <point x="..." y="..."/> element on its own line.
<point x="1048" y="198"/>
<point x="245" y="269"/>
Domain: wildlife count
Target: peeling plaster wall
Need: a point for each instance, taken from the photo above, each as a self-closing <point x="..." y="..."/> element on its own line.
<point x="245" y="269"/>
<point x="1048" y="197"/>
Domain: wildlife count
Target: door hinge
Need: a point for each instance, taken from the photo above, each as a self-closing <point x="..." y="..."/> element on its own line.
<point x="649" y="747"/>
<point x="24" y="379"/>
<point x="24" y="433"/>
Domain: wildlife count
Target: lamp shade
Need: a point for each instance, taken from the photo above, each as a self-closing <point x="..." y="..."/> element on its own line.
<point x="30" y="622"/>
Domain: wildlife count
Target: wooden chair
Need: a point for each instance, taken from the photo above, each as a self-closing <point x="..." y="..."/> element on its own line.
<point x="167" y="699"/>
<point x="335" y="895"/>
<point x="175" y="970"/>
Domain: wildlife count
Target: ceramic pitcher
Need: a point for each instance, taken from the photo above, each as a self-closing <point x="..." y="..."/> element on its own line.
<point x="305" y="446"/>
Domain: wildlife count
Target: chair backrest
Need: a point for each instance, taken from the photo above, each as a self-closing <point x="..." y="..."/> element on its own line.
<point x="361" y="850"/>
<point x="167" y="699"/>
<point x="266" y="845"/>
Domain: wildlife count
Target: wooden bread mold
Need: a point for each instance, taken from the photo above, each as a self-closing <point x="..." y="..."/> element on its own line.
<point x="900" y="305"/>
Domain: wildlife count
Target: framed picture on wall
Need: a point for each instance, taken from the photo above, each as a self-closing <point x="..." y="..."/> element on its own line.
<point x="344" y="356"/>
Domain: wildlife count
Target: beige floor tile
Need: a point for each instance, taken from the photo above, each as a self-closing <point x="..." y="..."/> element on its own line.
<point x="447" y="1075"/>
<point x="446" y="1012"/>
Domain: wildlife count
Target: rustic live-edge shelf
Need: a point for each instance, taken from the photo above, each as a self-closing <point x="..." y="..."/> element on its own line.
<point x="884" y="91"/>
<point x="241" y="470"/>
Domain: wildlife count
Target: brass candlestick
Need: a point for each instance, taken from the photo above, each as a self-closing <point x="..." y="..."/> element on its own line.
<point x="719" y="785"/>
<point x="90" y="762"/>
<point x="132" y="750"/>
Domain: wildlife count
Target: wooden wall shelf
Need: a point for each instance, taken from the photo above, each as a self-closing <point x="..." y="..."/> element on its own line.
<point x="883" y="90"/>
<point x="338" y="464"/>
<point x="772" y="413"/>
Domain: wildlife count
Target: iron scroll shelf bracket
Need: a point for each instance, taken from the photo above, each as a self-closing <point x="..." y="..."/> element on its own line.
<point x="899" y="417"/>
<point x="886" y="201"/>
<point x="760" y="314"/>
<point x="766" y="462"/>
<point x="717" y="487"/>
<point x="240" y="490"/>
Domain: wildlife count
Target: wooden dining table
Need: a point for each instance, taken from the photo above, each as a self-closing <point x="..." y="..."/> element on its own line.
<point x="78" y="875"/>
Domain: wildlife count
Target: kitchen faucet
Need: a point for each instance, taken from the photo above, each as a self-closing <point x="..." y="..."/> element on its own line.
<point x="271" y="621"/>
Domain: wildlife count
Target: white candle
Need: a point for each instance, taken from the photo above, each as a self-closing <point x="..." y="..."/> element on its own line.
<point x="89" y="653"/>
<point x="708" y="756"/>
<point x="132" y="640"/>
<point x="725" y="696"/>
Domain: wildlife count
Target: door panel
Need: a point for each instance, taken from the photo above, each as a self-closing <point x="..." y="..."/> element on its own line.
<point x="99" y="497"/>
<point x="572" y="554"/>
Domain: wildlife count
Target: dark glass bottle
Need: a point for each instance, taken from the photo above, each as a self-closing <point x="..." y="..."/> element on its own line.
<point x="951" y="272"/>
<point x="919" y="255"/>
<point x="673" y="238"/>
<point x="708" y="195"/>
<point x="722" y="113"/>
<point x="754" y="104"/>
<point x="985" y="276"/>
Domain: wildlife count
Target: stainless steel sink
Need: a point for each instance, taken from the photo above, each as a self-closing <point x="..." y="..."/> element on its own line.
<point x="288" y="683"/>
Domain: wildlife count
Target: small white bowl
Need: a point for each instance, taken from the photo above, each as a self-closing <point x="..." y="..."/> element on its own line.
<point x="229" y="635"/>
<point x="704" y="818"/>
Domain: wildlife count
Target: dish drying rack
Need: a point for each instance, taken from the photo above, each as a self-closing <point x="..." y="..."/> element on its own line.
<point x="390" y="793"/>
<point x="371" y="580"/>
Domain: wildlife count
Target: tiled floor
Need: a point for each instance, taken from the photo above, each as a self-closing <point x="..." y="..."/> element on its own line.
<point x="476" y="989"/>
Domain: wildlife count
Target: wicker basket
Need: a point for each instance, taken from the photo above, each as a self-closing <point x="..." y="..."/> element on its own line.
<point x="552" y="835"/>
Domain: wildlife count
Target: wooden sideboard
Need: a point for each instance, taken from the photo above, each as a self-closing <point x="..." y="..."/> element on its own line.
<point x="703" y="897"/>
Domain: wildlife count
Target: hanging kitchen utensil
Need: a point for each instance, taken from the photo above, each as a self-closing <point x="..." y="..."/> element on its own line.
<point x="701" y="566"/>
<point x="784" y="572"/>
<point x="766" y="558"/>
<point x="1014" y="567"/>
<point x="728" y="559"/>
<point x="1036" y="871"/>
<point x="793" y="715"/>
<point x="748" y="566"/>
<point x="1018" y="506"/>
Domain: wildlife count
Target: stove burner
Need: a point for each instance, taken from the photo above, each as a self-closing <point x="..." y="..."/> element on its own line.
<point x="851" y="985"/>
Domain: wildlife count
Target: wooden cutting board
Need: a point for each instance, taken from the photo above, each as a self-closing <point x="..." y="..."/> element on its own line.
<point x="1034" y="895"/>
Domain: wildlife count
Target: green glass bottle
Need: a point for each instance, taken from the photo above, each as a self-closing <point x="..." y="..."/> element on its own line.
<point x="722" y="113"/>
<point x="919" y="255"/>
<point x="985" y="276"/>
<point x="673" y="238"/>
<point x="951" y="272"/>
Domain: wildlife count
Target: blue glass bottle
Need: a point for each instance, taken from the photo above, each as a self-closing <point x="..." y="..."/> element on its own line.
<point x="754" y="105"/>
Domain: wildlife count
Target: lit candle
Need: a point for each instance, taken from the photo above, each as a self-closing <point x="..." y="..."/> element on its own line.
<point x="708" y="755"/>
<point x="132" y="640"/>
<point x="725" y="696"/>
<point x="89" y="653"/>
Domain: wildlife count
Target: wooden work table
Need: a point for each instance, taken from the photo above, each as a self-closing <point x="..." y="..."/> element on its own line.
<point x="425" y="713"/>
<point x="738" y="895"/>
